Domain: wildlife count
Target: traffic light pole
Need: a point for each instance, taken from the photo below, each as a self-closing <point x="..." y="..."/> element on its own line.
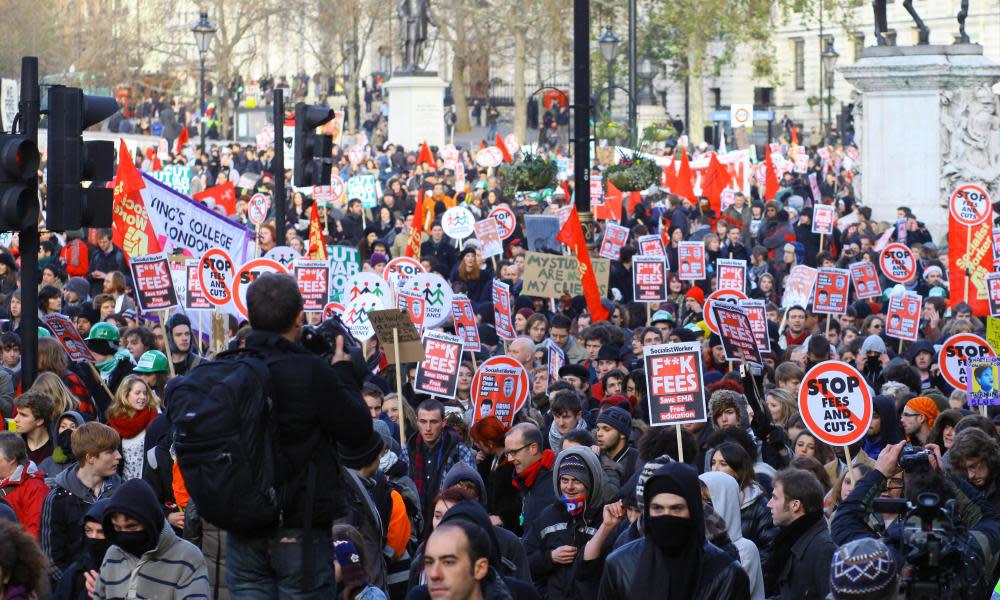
<point x="278" y="167"/>
<point x="581" y="114"/>
<point x="29" y="109"/>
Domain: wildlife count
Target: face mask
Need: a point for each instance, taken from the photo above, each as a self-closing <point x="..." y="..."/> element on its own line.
<point x="670" y="534"/>
<point x="575" y="506"/>
<point x="135" y="543"/>
<point x="96" y="548"/>
<point x="63" y="441"/>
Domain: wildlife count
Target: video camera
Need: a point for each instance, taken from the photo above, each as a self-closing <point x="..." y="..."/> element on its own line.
<point x="914" y="457"/>
<point x="322" y="340"/>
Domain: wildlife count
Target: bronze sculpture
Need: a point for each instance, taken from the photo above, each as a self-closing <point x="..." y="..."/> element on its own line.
<point x="881" y="26"/>
<point x="414" y="17"/>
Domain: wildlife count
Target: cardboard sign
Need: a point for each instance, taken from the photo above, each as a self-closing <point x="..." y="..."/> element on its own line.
<point x="551" y="275"/>
<point x="215" y="276"/>
<point x="404" y="266"/>
<point x="984" y="385"/>
<point x="506" y="221"/>
<point x="313" y="277"/>
<point x="798" y="287"/>
<point x="488" y="234"/>
<point x="835" y="403"/>
<point x="903" y="319"/>
<point x="503" y="316"/>
<point x="194" y="299"/>
<point x="500" y="388"/>
<point x="651" y="245"/>
<point x="832" y="288"/>
<point x="465" y="322"/>
<point x="437" y="374"/>
<point x="675" y="389"/>
<point x="897" y="263"/>
<point x="437" y="296"/>
<point x="970" y="205"/>
<point x="415" y="306"/>
<point x="154" y="287"/>
<point x="355" y="316"/>
<point x="458" y="222"/>
<point x="955" y="354"/>
<point x="823" y="218"/>
<point x="866" y="284"/>
<point x="555" y="359"/>
<point x="362" y="283"/>
<point x="720" y="296"/>
<point x="411" y="349"/>
<point x="65" y="331"/>
<point x="756" y="311"/>
<point x="691" y="260"/>
<point x="541" y="232"/>
<point x="993" y="285"/>
<point x="738" y="340"/>
<point x="615" y="238"/>
<point x="344" y="263"/>
<point x="246" y="275"/>
<point x="649" y="279"/>
<point x="732" y="274"/>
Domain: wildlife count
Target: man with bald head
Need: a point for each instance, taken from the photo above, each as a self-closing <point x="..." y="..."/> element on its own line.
<point x="523" y="351"/>
<point x="523" y="447"/>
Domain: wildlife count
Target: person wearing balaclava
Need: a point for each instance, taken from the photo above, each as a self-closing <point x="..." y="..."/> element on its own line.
<point x="145" y="552"/>
<point x="672" y="560"/>
<point x="73" y="585"/>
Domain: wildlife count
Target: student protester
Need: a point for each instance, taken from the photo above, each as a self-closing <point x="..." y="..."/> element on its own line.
<point x="22" y="485"/>
<point x="614" y="427"/>
<point x="78" y="579"/>
<point x="22" y="565"/>
<point x="532" y="470"/>
<point x="33" y="420"/>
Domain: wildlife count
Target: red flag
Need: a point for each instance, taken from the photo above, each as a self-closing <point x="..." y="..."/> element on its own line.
<point x="317" y="245"/>
<point x="131" y="228"/>
<point x="683" y="185"/>
<point x="565" y="188"/>
<point x="503" y="149"/>
<point x="634" y="199"/>
<point x="611" y="209"/>
<point x="426" y="156"/>
<point x="670" y="176"/>
<point x="571" y="234"/>
<point x="181" y="140"/>
<point x="413" y="242"/>
<point x="482" y="144"/>
<point x="713" y="182"/>
<point x="127" y="175"/>
<point x="770" y="176"/>
<point x="223" y="195"/>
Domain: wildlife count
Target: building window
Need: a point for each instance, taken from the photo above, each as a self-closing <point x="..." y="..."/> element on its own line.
<point x="716" y="97"/>
<point x="800" y="64"/>
<point x="859" y="45"/>
<point x="763" y="97"/>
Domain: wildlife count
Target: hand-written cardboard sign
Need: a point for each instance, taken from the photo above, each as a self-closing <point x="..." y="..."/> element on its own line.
<point x="732" y="274"/>
<point x="691" y="260"/>
<point x="437" y="374"/>
<point x="411" y="349"/>
<point x="955" y="355"/>
<point x="465" y="322"/>
<point x="194" y="299"/>
<point x="615" y="237"/>
<point x="154" y="287"/>
<point x="866" y="284"/>
<point x="64" y="331"/>
<point x="551" y="276"/>
<point x="313" y="279"/>
<point x="756" y="311"/>
<point x="903" y="318"/>
<point x="835" y="403"/>
<point x="499" y="388"/>
<point x="831" y="291"/>
<point x="649" y="279"/>
<point x="823" y="217"/>
<point x="738" y="340"/>
<point x="798" y="287"/>
<point x="674" y="386"/>
<point x="503" y="316"/>
<point x="984" y="385"/>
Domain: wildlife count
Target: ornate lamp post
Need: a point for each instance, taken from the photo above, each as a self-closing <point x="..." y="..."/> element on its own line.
<point x="608" y="43"/>
<point x="829" y="58"/>
<point x="204" y="31"/>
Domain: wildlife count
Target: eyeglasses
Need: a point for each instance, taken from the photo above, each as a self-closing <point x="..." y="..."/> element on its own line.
<point x="510" y="453"/>
<point x="912" y="415"/>
<point x="894" y="484"/>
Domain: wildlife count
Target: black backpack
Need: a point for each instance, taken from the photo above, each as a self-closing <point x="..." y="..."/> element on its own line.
<point x="224" y="438"/>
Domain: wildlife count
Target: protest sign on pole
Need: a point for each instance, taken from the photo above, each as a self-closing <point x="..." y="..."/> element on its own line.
<point x="956" y="353"/>
<point x="540" y="231"/>
<point x="364" y="187"/>
<point x="835" y="403"/>
<point x="996" y="247"/>
<point x="64" y="331"/>
<point x="831" y="291"/>
<point x="437" y="295"/>
<point x="332" y="309"/>
<point x="283" y="255"/>
<point x="756" y="311"/>
<point x="552" y="276"/>
<point x="246" y="275"/>
<point x="615" y="237"/>
<point x="488" y="234"/>
<point x="556" y="358"/>
<point x="738" y="340"/>
<point x="313" y="279"/>
<point x="194" y="298"/>
<point x="798" y="287"/>
<point x="903" y="319"/>
<point x="363" y="283"/>
<point x="649" y="279"/>
<point x="993" y="285"/>
<point x="414" y="305"/>
<point x="397" y="335"/>
<point x="154" y="287"/>
<point x="458" y="223"/>
<point x="984" y="385"/>
<point x="502" y="311"/>
<point x="437" y="374"/>
<point x="344" y="262"/>
<point x="506" y="221"/>
<point x="720" y="296"/>
<point x="823" y="217"/>
<point x="651" y="245"/>
<point x="691" y="260"/>
<point x="732" y="274"/>
<point x="465" y="322"/>
<point x="499" y="389"/>
<point x="355" y="316"/>
<point x="404" y="266"/>
<point x="897" y="263"/>
<point x="674" y="387"/>
<point x="215" y="276"/>
<point x="866" y="284"/>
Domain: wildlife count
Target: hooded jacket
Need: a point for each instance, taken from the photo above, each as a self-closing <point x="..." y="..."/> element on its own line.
<point x="173" y="568"/>
<point x="555" y="527"/>
<point x="725" y="492"/>
<point x="189" y="360"/>
<point x="73" y="586"/>
<point x="60" y="459"/>
<point x="25" y="491"/>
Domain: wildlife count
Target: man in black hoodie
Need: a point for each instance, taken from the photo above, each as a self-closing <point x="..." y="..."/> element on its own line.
<point x="73" y="585"/>
<point x="181" y="339"/>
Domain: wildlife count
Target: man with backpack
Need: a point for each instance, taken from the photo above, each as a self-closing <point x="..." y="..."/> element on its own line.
<point x="256" y="435"/>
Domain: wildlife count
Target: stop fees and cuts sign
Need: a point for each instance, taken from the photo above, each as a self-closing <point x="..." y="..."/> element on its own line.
<point x="246" y="275"/>
<point x="835" y="403"/>
<point x="955" y="355"/>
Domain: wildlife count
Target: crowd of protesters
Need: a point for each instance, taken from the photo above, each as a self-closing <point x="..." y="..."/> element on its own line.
<point x="579" y="498"/>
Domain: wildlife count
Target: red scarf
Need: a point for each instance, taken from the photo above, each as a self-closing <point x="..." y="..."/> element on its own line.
<point x="129" y="427"/>
<point x="526" y="479"/>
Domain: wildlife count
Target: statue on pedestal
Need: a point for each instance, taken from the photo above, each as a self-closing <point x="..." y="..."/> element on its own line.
<point x="970" y="145"/>
<point x="414" y="17"/>
<point x="881" y="26"/>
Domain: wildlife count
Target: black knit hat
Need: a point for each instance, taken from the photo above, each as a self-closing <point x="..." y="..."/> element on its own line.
<point x="617" y="419"/>
<point x="573" y="466"/>
<point x="863" y="569"/>
<point x="363" y="455"/>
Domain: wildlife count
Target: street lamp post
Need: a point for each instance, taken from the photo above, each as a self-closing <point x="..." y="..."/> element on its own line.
<point x="646" y="72"/>
<point x="829" y="57"/>
<point x="204" y="30"/>
<point x="608" y="43"/>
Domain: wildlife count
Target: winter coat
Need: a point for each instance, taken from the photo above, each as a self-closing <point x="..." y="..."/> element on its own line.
<point x="51" y="465"/>
<point x="536" y="498"/>
<point x="25" y="492"/>
<point x="106" y="263"/>
<point x="806" y="575"/>
<point x="725" y="492"/>
<point x="757" y="523"/>
<point x="501" y="496"/>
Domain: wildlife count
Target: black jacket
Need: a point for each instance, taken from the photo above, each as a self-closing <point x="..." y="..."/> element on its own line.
<point x="316" y="406"/>
<point x="758" y="526"/>
<point x="536" y="498"/>
<point x="501" y="496"/>
<point x="806" y="575"/>
<point x="722" y="578"/>
<point x="552" y="529"/>
<point x="99" y="261"/>
<point x="444" y="252"/>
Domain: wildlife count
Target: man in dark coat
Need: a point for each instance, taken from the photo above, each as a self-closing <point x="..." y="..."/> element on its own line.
<point x="103" y="260"/>
<point x="532" y="469"/>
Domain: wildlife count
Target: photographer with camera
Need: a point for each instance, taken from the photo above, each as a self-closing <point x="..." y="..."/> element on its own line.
<point x="947" y="536"/>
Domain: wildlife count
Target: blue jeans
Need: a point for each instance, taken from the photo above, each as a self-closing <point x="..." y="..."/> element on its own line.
<point x="272" y="567"/>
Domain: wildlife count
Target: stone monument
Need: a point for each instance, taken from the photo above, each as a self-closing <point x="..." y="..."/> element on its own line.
<point x="416" y="96"/>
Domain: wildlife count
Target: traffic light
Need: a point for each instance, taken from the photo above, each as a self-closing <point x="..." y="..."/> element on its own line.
<point x="18" y="196"/>
<point x="72" y="161"/>
<point x="313" y="152"/>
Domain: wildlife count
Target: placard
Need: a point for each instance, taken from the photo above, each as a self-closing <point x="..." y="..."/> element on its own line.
<point x="415" y="306"/>
<point x="65" y="331"/>
<point x="651" y="245"/>
<point x="691" y="260"/>
<point x="831" y="291"/>
<point x="500" y="389"/>
<point x="458" y="223"/>
<point x="732" y="274"/>
<point x="488" y="234"/>
<point x="355" y="316"/>
<point x="866" y="283"/>
<point x="555" y="359"/>
<point x="437" y="296"/>
<point x="970" y="205"/>
<point x="903" y="319"/>
<point x="996" y="247"/>
<point x="737" y="335"/>
<point x="955" y="355"/>
<point x="502" y="313"/>
<point x="506" y="221"/>
<point x="215" y="276"/>
<point x="615" y="238"/>
<point x="541" y="232"/>
<point x="363" y="283"/>
<point x="756" y="311"/>
<point x="154" y="287"/>
<point x="437" y="374"/>
<point x="313" y="277"/>
<point x="835" y="403"/>
<point x="897" y="263"/>
<point x="246" y="275"/>
<point x="993" y="285"/>
<point x="465" y="322"/>
<point x="194" y="299"/>
<point x="552" y="275"/>
<point x="649" y="279"/>
<point x="411" y="349"/>
<point x="332" y="309"/>
<point x="798" y="287"/>
<point x="823" y="218"/>
<point x="404" y="266"/>
<point x="364" y="187"/>
<point x="345" y="262"/>
<point x="675" y="389"/>
<point x="283" y="255"/>
<point x="720" y="296"/>
<point x="257" y="209"/>
<point x="984" y="385"/>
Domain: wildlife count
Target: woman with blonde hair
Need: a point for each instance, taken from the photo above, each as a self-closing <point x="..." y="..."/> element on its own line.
<point x="51" y="385"/>
<point x="781" y="405"/>
<point x="390" y="405"/>
<point x="134" y="408"/>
